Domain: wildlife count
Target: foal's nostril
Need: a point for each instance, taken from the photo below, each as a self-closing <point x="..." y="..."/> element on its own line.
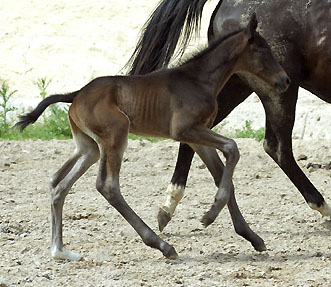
<point x="282" y="83"/>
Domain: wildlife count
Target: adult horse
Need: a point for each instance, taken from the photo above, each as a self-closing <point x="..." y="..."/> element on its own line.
<point x="299" y="33"/>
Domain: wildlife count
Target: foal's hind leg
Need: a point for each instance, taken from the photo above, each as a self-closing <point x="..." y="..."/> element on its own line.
<point x="86" y="154"/>
<point x="112" y="145"/>
<point x="215" y="166"/>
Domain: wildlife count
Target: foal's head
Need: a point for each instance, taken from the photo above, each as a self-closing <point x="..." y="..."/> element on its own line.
<point x="257" y="60"/>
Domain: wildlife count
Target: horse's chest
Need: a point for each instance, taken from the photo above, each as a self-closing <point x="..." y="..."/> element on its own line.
<point x="205" y="111"/>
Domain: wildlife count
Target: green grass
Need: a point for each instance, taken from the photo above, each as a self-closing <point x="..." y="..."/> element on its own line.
<point x="248" y="132"/>
<point x="5" y="96"/>
<point x="54" y="125"/>
<point x="245" y="132"/>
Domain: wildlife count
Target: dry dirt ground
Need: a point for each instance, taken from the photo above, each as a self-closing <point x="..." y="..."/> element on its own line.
<point x="298" y="239"/>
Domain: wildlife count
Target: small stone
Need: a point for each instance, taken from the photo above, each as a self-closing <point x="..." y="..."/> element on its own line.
<point x="202" y="166"/>
<point x="319" y="254"/>
<point x="302" y="157"/>
<point x="314" y="165"/>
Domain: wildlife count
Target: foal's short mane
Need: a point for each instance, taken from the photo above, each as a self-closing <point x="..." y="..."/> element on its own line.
<point x="212" y="45"/>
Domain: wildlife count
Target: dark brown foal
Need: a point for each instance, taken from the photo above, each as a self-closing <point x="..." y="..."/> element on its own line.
<point x="178" y="103"/>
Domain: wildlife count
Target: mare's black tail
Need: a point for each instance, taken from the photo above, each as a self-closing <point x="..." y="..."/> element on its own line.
<point x="31" y="117"/>
<point x="161" y="33"/>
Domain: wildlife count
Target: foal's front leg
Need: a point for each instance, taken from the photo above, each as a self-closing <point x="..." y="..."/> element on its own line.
<point x="201" y="135"/>
<point x="215" y="166"/>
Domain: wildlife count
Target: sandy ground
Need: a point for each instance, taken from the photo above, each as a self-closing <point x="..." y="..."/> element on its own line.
<point x="298" y="239"/>
<point x="72" y="42"/>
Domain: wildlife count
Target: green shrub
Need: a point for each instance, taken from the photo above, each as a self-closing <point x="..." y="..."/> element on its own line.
<point x="248" y="132"/>
<point x="5" y="96"/>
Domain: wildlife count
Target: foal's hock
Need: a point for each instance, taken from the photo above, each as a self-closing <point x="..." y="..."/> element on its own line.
<point x="178" y="103"/>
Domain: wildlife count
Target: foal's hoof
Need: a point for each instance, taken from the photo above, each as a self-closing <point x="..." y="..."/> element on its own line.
<point x="207" y="219"/>
<point x="163" y="219"/>
<point x="65" y="254"/>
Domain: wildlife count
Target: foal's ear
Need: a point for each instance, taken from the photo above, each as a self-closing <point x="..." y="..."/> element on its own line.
<point x="251" y="27"/>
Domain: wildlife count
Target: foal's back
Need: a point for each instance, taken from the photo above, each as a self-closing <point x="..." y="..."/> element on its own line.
<point x="146" y="101"/>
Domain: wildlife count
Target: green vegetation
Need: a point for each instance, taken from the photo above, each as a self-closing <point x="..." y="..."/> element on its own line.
<point x="245" y="132"/>
<point x="54" y="125"/>
<point x="42" y="84"/>
<point x="5" y="96"/>
<point x="248" y="132"/>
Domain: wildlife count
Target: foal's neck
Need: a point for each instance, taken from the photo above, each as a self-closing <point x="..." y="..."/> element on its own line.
<point x="216" y="65"/>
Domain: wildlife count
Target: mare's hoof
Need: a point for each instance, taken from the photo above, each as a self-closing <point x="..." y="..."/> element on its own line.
<point x="163" y="219"/>
<point x="170" y="253"/>
<point x="207" y="219"/>
<point x="260" y="246"/>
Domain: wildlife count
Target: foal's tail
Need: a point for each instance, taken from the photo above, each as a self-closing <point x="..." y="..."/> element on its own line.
<point x="157" y="43"/>
<point x="31" y="117"/>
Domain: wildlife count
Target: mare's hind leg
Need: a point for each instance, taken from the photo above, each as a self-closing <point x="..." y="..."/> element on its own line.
<point x="112" y="145"/>
<point x="86" y="154"/>
<point x="215" y="166"/>
<point x="176" y="188"/>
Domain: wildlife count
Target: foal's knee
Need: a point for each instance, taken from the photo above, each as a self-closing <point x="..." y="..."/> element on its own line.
<point x="58" y="194"/>
<point x="231" y="152"/>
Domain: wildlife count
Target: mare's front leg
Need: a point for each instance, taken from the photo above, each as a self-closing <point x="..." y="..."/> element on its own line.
<point x="216" y="167"/>
<point x="86" y="154"/>
<point x="280" y="116"/>
<point x="175" y="191"/>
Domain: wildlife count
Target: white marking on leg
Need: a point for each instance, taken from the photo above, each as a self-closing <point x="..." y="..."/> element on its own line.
<point x="174" y="193"/>
<point x="64" y="254"/>
<point x="324" y="209"/>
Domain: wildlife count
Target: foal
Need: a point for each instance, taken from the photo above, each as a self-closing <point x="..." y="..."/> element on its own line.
<point x="179" y="103"/>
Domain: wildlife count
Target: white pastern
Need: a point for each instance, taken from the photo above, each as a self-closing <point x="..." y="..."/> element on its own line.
<point x="64" y="254"/>
<point x="324" y="209"/>
<point x="174" y="194"/>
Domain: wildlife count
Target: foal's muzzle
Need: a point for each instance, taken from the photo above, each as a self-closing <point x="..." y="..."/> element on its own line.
<point x="282" y="83"/>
